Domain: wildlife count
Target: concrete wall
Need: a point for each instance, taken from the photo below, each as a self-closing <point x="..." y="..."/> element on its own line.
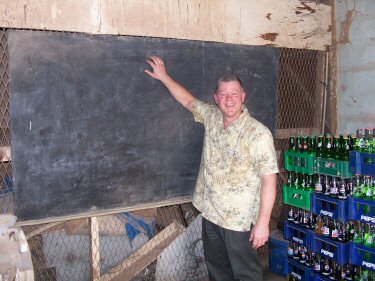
<point x="355" y="34"/>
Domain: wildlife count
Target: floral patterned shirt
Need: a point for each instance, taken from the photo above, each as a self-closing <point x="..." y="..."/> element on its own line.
<point x="233" y="161"/>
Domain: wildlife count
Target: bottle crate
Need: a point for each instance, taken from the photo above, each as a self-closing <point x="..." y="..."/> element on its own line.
<point x="334" y="208"/>
<point x="299" y="198"/>
<point x="278" y="255"/>
<point x="362" y="163"/>
<point x="299" y="271"/>
<point x="331" y="167"/>
<point x="298" y="234"/>
<point x="362" y="256"/>
<point x="362" y="209"/>
<point x="337" y="251"/>
<point x="300" y="162"/>
<point x="319" y="277"/>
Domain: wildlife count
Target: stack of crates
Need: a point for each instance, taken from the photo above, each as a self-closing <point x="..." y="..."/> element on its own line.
<point x="319" y="205"/>
<point x="363" y="210"/>
<point x="301" y="199"/>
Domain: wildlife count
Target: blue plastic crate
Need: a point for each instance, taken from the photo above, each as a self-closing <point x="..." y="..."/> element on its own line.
<point x="319" y="277"/>
<point x="362" y="163"/>
<point x="296" y="233"/>
<point x="362" y="256"/>
<point x="278" y="255"/>
<point x="362" y="209"/>
<point x="299" y="271"/>
<point x="339" y="252"/>
<point x="330" y="207"/>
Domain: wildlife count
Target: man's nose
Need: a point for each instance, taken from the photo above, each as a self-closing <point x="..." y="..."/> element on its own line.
<point x="229" y="97"/>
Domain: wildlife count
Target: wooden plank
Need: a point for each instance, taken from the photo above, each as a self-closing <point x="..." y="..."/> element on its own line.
<point x="286" y="133"/>
<point x="144" y="256"/>
<point x="180" y="200"/>
<point x="94" y="249"/>
<point x="282" y="23"/>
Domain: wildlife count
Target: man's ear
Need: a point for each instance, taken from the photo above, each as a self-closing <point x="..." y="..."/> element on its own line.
<point x="215" y="98"/>
<point x="243" y="96"/>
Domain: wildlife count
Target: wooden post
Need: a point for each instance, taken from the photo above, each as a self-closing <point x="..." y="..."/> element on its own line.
<point x="94" y="249"/>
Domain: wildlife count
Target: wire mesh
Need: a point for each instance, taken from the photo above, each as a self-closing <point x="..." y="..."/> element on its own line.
<point x="6" y="186"/>
<point x="158" y="243"/>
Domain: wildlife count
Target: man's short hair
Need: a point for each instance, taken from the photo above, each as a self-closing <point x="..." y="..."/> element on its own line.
<point x="228" y="78"/>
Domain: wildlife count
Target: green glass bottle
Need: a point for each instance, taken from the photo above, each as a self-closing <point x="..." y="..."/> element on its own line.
<point x="358" y="186"/>
<point x="358" y="140"/>
<point x="336" y="148"/>
<point x="292" y="144"/>
<point x="345" y="148"/>
<point x="327" y="151"/>
<point x="320" y="146"/>
<point x="312" y="146"/>
<point x="291" y="179"/>
<point x="366" y="141"/>
<point x="367" y="187"/>
<point x="372" y="143"/>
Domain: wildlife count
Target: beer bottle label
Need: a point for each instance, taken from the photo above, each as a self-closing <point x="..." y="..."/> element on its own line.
<point x="325" y="231"/>
<point x="369" y="192"/>
<point x="290" y="251"/>
<point x="318" y="187"/>
<point x="335" y="234"/>
<point x="317" y="267"/>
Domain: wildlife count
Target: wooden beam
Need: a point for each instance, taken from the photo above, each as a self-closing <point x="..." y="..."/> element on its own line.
<point x="286" y="133"/>
<point x="145" y="255"/>
<point x="94" y="249"/>
<point x="281" y="23"/>
<point x="42" y="229"/>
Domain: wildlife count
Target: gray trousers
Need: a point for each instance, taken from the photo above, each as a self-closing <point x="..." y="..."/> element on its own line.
<point x="229" y="255"/>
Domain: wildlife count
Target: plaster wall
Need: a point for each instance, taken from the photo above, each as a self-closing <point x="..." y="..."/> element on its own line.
<point x="355" y="21"/>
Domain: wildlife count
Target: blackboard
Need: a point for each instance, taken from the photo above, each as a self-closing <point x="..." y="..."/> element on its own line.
<point x="91" y="131"/>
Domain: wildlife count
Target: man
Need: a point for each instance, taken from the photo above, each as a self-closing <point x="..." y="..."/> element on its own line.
<point x="236" y="185"/>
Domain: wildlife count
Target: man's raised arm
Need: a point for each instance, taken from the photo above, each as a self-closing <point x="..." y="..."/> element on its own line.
<point x="159" y="72"/>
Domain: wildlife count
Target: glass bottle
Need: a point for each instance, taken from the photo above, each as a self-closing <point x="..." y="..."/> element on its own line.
<point x="317" y="264"/>
<point x="325" y="227"/>
<point x="345" y="148"/>
<point x="359" y="142"/>
<point x="334" y="190"/>
<point x="327" y="185"/>
<point x="336" y="147"/>
<point x="290" y="214"/>
<point x="292" y="144"/>
<point x="334" y="232"/>
<point x="368" y="236"/>
<point x="319" y="183"/>
<point x="326" y="268"/>
<point x="312" y="146"/>
<point x="290" y="251"/>
<point x="291" y="179"/>
<point x="327" y="152"/>
<point x="358" y="186"/>
<point x="320" y="146"/>
<point x="343" y="189"/>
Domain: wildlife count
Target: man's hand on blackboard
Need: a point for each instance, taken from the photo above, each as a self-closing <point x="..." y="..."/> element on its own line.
<point x="158" y="69"/>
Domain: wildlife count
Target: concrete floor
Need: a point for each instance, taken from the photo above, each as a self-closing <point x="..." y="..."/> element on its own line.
<point x="270" y="276"/>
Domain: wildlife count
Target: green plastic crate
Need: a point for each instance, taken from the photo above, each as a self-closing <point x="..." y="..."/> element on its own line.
<point x="331" y="167"/>
<point x="299" y="198"/>
<point x="300" y="162"/>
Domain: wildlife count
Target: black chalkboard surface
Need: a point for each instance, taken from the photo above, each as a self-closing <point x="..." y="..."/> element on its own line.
<point x="91" y="131"/>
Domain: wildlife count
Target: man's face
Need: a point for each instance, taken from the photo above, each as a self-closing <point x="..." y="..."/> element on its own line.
<point x="229" y="98"/>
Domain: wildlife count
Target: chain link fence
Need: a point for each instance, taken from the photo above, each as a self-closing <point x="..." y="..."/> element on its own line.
<point x="159" y="243"/>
